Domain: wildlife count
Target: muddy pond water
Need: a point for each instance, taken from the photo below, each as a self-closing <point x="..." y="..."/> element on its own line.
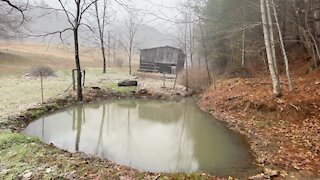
<point x="155" y="136"/>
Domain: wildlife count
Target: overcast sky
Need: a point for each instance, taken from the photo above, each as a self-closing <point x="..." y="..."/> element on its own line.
<point x="159" y="11"/>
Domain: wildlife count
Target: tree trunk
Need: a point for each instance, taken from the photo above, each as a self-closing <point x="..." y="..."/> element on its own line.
<point x="243" y="36"/>
<point x="285" y="57"/>
<point x="272" y="43"/>
<point x="130" y="65"/>
<point x="77" y="61"/>
<point x="130" y="53"/>
<point x="186" y="60"/>
<point x="104" y="57"/>
<point x="274" y="77"/>
<point x="109" y="61"/>
<point x="205" y="52"/>
<point x="101" y="36"/>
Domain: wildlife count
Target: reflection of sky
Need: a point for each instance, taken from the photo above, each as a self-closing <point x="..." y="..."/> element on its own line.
<point x="189" y="143"/>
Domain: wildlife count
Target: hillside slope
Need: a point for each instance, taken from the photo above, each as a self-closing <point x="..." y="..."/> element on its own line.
<point x="283" y="132"/>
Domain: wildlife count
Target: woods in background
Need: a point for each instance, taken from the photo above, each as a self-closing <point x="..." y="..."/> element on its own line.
<point x="239" y="34"/>
<point x="220" y="36"/>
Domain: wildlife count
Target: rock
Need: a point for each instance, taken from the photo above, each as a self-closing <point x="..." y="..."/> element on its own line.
<point x="257" y="177"/>
<point x="51" y="169"/>
<point x="96" y="88"/>
<point x="127" y="83"/>
<point x="302" y="175"/>
<point x="143" y="91"/>
<point x="27" y="175"/>
<point x="4" y="172"/>
<point x="271" y="172"/>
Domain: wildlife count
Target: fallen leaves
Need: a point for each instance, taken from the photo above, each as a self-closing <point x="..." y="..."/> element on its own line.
<point x="284" y="132"/>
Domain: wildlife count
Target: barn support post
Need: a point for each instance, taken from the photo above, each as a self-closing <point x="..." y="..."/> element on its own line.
<point x="175" y="81"/>
<point x="164" y="80"/>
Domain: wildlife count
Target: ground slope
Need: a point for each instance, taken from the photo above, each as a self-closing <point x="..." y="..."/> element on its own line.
<point x="284" y="132"/>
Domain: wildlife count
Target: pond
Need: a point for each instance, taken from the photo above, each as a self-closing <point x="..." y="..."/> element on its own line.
<point x="154" y="136"/>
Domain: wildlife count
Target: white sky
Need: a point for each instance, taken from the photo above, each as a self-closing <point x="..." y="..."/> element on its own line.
<point x="158" y="11"/>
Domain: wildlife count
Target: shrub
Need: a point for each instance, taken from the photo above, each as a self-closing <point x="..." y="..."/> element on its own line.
<point x="234" y="72"/>
<point x="42" y="70"/>
<point x="197" y="79"/>
<point x="119" y="62"/>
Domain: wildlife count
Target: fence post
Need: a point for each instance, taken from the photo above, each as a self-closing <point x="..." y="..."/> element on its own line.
<point x="73" y="80"/>
<point x="84" y="77"/>
<point x="164" y="79"/>
<point x="41" y="87"/>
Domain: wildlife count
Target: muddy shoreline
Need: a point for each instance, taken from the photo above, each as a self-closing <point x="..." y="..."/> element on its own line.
<point x="19" y="122"/>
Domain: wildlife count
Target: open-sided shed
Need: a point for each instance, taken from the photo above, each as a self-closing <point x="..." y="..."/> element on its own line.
<point x="162" y="59"/>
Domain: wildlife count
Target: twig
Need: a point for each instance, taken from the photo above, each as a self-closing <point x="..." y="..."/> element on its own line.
<point x="297" y="108"/>
<point x="69" y="87"/>
<point x="157" y="177"/>
<point x="248" y="104"/>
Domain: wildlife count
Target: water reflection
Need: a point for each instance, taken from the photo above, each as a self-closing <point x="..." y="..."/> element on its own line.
<point x="151" y="136"/>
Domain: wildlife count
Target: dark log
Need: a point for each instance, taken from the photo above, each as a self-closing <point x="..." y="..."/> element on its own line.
<point x="127" y="83"/>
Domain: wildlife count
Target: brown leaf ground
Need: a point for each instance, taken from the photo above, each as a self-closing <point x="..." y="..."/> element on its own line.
<point x="283" y="132"/>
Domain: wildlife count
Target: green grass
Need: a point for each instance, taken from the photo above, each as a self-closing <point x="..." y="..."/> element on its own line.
<point x="19" y="93"/>
<point x="20" y="154"/>
<point x="114" y="86"/>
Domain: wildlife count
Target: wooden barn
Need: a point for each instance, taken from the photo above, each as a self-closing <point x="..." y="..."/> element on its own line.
<point x="162" y="60"/>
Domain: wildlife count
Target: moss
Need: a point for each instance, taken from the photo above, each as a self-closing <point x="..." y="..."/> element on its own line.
<point x="52" y="106"/>
<point x="263" y="124"/>
<point x="35" y="113"/>
<point x="123" y="90"/>
<point x="10" y="139"/>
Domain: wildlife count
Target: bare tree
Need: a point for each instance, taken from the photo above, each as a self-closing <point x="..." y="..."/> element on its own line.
<point x="284" y="53"/>
<point x="102" y="22"/>
<point x="75" y="20"/>
<point x="133" y="23"/>
<point x="74" y="11"/>
<point x="12" y="17"/>
<point x="266" y="32"/>
<point x="20" y="8"/>
<point x="204" y="45"/>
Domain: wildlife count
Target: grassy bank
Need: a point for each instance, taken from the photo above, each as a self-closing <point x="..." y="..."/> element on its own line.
<point x="25" y="157"/>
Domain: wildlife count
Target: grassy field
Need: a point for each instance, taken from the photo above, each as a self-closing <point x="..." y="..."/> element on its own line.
<point x="19" y="92"/>
<point x="23" y="157"/>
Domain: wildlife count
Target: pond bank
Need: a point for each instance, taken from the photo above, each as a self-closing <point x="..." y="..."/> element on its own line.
<point x="283" y="132"/>
<point x="27" y="158"/>
<point x="49" y="161"/>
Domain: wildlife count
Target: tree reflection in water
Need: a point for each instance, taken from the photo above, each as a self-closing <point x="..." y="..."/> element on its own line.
<point x="148" y="135"/>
